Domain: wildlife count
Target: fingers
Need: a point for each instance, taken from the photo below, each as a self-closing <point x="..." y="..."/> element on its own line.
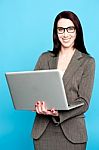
<point x="41" y="108"/>
<point x="54" y="112"/>
<point x="38" y="107"/>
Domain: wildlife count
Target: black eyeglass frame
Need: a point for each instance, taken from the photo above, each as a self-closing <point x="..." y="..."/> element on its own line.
<point x="67" y="29"/>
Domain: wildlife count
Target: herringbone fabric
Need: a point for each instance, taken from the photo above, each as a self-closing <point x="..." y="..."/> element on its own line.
<point x="78" y="82"/>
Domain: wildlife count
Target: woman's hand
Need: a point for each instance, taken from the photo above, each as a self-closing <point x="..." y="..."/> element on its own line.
<point x="41" y="108"/>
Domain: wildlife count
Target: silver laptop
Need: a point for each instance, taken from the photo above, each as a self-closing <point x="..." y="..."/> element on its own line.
<point x="27" y="87"/>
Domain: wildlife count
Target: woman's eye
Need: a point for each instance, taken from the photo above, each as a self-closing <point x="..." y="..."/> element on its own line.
<point x="60" y="29"/>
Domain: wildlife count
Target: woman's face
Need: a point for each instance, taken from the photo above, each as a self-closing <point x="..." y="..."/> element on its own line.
<point x="66" y="32"/>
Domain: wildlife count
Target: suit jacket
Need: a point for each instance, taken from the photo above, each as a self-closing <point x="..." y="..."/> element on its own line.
<point x="78" y="82"/>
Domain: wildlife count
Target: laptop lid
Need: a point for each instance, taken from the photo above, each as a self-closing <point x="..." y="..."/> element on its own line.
<point x="27" y="87"/>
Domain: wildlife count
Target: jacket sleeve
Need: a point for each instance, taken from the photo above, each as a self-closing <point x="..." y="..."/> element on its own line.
<point x="38" y="64"/>
<point x="84" y="93"/>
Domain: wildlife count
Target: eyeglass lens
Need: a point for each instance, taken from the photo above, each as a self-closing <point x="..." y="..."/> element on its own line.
<point x="70" y="29"/>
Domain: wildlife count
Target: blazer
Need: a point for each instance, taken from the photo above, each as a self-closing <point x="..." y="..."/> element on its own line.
<point x="78" y="82"/>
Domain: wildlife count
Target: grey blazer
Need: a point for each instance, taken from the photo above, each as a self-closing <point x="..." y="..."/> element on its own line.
<point x="78" y="82"/>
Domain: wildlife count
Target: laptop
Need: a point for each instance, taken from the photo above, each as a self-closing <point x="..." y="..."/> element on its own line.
<point x="27" y="87"/>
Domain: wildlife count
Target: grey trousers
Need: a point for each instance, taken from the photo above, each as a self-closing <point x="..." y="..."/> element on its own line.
<point x="54" y="139"/>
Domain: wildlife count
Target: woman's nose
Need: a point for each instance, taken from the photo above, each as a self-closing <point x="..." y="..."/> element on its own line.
<point x="65" y="33"/>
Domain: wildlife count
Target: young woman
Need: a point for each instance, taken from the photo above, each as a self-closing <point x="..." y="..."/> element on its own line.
<point x="56" y="130"/>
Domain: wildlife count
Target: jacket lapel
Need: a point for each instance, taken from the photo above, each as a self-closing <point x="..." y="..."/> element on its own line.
<point x="72" y="67"/>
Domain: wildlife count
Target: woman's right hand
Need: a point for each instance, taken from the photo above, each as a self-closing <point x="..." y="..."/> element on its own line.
<point x="41" y="108"/>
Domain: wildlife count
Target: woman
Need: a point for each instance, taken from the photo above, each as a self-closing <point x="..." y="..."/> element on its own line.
<point x="56" y="130"/>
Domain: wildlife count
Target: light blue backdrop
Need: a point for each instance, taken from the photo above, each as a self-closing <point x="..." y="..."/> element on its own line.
<point x="25" y="32"/>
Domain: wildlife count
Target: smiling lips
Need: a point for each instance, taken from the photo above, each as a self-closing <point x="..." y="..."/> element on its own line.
<point x="66" y="40"/>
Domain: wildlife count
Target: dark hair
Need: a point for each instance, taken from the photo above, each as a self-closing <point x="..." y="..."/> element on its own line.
<point x="79" y="42"/>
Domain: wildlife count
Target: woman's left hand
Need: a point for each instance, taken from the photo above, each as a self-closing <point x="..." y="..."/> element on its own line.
<point x="41" y="108"/>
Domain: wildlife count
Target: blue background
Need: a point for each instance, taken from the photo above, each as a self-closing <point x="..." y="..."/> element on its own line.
<point x="25" y="32"/>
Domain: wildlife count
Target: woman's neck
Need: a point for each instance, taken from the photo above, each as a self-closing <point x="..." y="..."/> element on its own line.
<point x="66" y="51"/>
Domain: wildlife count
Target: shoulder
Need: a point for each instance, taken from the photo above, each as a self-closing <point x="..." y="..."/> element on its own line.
<point x="89" y="58"/>
<point x="86" y="59"/>
<point x="46" y="55"/>
<point x="89" y="61"/>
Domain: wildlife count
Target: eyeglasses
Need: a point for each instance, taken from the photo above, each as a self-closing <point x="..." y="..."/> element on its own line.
<point x="61" y="30"/>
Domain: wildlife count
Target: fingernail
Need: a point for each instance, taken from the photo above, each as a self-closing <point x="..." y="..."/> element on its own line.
<point x="52" y="110"/>
<point x="42" y="103"/>
<point x="37" y="103"/>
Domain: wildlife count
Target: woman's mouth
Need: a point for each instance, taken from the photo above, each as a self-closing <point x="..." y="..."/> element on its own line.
<point x="66" y="40"/>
